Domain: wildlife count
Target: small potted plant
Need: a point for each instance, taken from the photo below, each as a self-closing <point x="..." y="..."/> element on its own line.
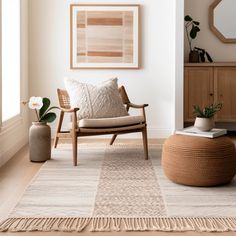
<point x="40" y="132"/>
<point x="41" y="106"/>
<point x="205" y="117"/>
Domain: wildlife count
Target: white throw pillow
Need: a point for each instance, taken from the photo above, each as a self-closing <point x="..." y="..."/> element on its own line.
<point x="102" y="101"/>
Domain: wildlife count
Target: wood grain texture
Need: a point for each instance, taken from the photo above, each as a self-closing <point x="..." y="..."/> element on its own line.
<point x="225" y="82"/>
<point x="213" y="64"/>
<point x="198" y="89"/>
<point x="207" y="84"/>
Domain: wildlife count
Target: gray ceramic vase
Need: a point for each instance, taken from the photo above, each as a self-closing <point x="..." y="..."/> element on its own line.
<point x="40" y="142"/>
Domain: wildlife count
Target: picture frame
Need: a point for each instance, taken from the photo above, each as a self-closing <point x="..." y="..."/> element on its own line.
<point x="104" y="36"/>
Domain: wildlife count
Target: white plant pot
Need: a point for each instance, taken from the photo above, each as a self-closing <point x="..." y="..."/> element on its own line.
<point x="204" y="124"/>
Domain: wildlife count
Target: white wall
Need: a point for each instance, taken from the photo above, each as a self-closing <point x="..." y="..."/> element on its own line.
<point x="154" y="83"/>
<point x="219" y="51"/>
<point x="179" y="67"/>
<point x="12" y="138"/>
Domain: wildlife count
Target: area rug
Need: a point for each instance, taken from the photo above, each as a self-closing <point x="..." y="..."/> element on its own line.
<point x="113" y="189"/>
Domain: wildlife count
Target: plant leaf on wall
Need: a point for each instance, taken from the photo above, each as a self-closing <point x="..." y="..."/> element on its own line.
<point x="193" y="33"/>
<point x="188" y="18"/>
<point x="197" y="29"/>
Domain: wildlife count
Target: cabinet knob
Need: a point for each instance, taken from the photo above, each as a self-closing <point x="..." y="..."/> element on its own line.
<point x="211" y="94"/>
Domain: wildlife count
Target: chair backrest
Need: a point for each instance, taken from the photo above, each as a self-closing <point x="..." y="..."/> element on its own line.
<point x="64" y="99"/>
<point x="124" y="95"/>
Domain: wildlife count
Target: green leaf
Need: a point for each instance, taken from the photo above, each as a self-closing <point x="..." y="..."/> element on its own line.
<point x="197" y="111"/>
<point x="196" y="22"/>
<point x="197" y="28"/>
<point x="188" y="18"/>
<point x="46" y="104"/>
<point x="208" y="111"/>
<point x="49" y="117"/>
<point x="193" y="33"/>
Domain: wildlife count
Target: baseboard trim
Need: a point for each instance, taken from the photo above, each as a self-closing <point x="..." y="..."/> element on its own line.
<point x="159" y="132"/>
<point x="11" y="150"/>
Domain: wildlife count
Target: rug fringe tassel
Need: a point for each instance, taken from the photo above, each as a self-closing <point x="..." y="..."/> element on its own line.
<point x="118" y="224"/>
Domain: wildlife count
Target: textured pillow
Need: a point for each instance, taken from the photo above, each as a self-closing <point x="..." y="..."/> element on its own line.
<point x="102" y="101"/>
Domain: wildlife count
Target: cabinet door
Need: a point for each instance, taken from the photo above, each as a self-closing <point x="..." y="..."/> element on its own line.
<point x="225" y="87"/>
<point x="198" y="89"/>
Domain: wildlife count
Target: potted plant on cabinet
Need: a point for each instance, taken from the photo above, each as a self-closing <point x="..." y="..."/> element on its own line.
<point x="205" y="117"/>
<point x="192" y="34"/>
<point x="40" y="132"/>
<point x="196" y="54"/>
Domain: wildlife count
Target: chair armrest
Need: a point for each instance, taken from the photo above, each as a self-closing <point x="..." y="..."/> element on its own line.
<point x="142" y="106"/>
<point x="69" y="110"/>
<point x="137" y="106"/>
<point x="73" y="115"/>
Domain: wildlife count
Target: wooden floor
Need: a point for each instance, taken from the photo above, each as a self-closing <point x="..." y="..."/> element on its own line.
<point x="19" y="171"/>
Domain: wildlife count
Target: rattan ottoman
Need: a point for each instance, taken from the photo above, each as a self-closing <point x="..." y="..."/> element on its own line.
<point x="199" y="161"/>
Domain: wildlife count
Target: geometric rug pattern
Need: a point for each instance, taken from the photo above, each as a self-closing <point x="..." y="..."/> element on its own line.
<point x="115" y="188"/>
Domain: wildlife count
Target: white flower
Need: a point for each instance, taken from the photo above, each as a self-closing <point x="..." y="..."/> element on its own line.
<point x="35" y="103"/>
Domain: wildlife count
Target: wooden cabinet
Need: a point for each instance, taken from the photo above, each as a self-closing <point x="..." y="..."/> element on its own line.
<point x="225" y="91"/>
<point x="207" y="83"/>
<point x="198" y="88"/>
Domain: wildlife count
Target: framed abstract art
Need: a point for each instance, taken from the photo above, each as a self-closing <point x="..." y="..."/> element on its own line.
<point x="104" y="36"/>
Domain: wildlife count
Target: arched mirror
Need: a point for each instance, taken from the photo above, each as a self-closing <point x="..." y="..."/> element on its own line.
<point x="222" y="19"/>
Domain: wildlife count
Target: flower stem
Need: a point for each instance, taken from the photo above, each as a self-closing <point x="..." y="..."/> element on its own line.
<point x="37" y="114"/>
<point x="189" y="41"/>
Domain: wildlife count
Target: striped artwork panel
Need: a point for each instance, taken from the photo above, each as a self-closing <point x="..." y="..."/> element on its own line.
<point x="105" y="37"/>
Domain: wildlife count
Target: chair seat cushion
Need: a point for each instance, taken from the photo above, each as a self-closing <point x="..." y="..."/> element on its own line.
<point x="109" y="122"/>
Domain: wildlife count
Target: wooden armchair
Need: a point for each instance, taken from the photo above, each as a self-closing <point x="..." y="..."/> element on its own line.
<point x="89" y="127"/>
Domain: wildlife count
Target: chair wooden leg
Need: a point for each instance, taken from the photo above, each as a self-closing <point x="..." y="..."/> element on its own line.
<point x="74" y="147"/>
<point x="145" y="142"/>
<point x="55" y="141"/>
<point x="58" y="129"/>
<point x="113" y="139"/>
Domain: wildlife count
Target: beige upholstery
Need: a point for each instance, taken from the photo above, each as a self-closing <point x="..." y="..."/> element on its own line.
<point x="109" y="122"/>
<point x="96" y="101"/>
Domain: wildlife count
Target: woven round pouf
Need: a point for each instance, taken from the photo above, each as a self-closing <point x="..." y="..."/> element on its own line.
<point x="199" y="161"/>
